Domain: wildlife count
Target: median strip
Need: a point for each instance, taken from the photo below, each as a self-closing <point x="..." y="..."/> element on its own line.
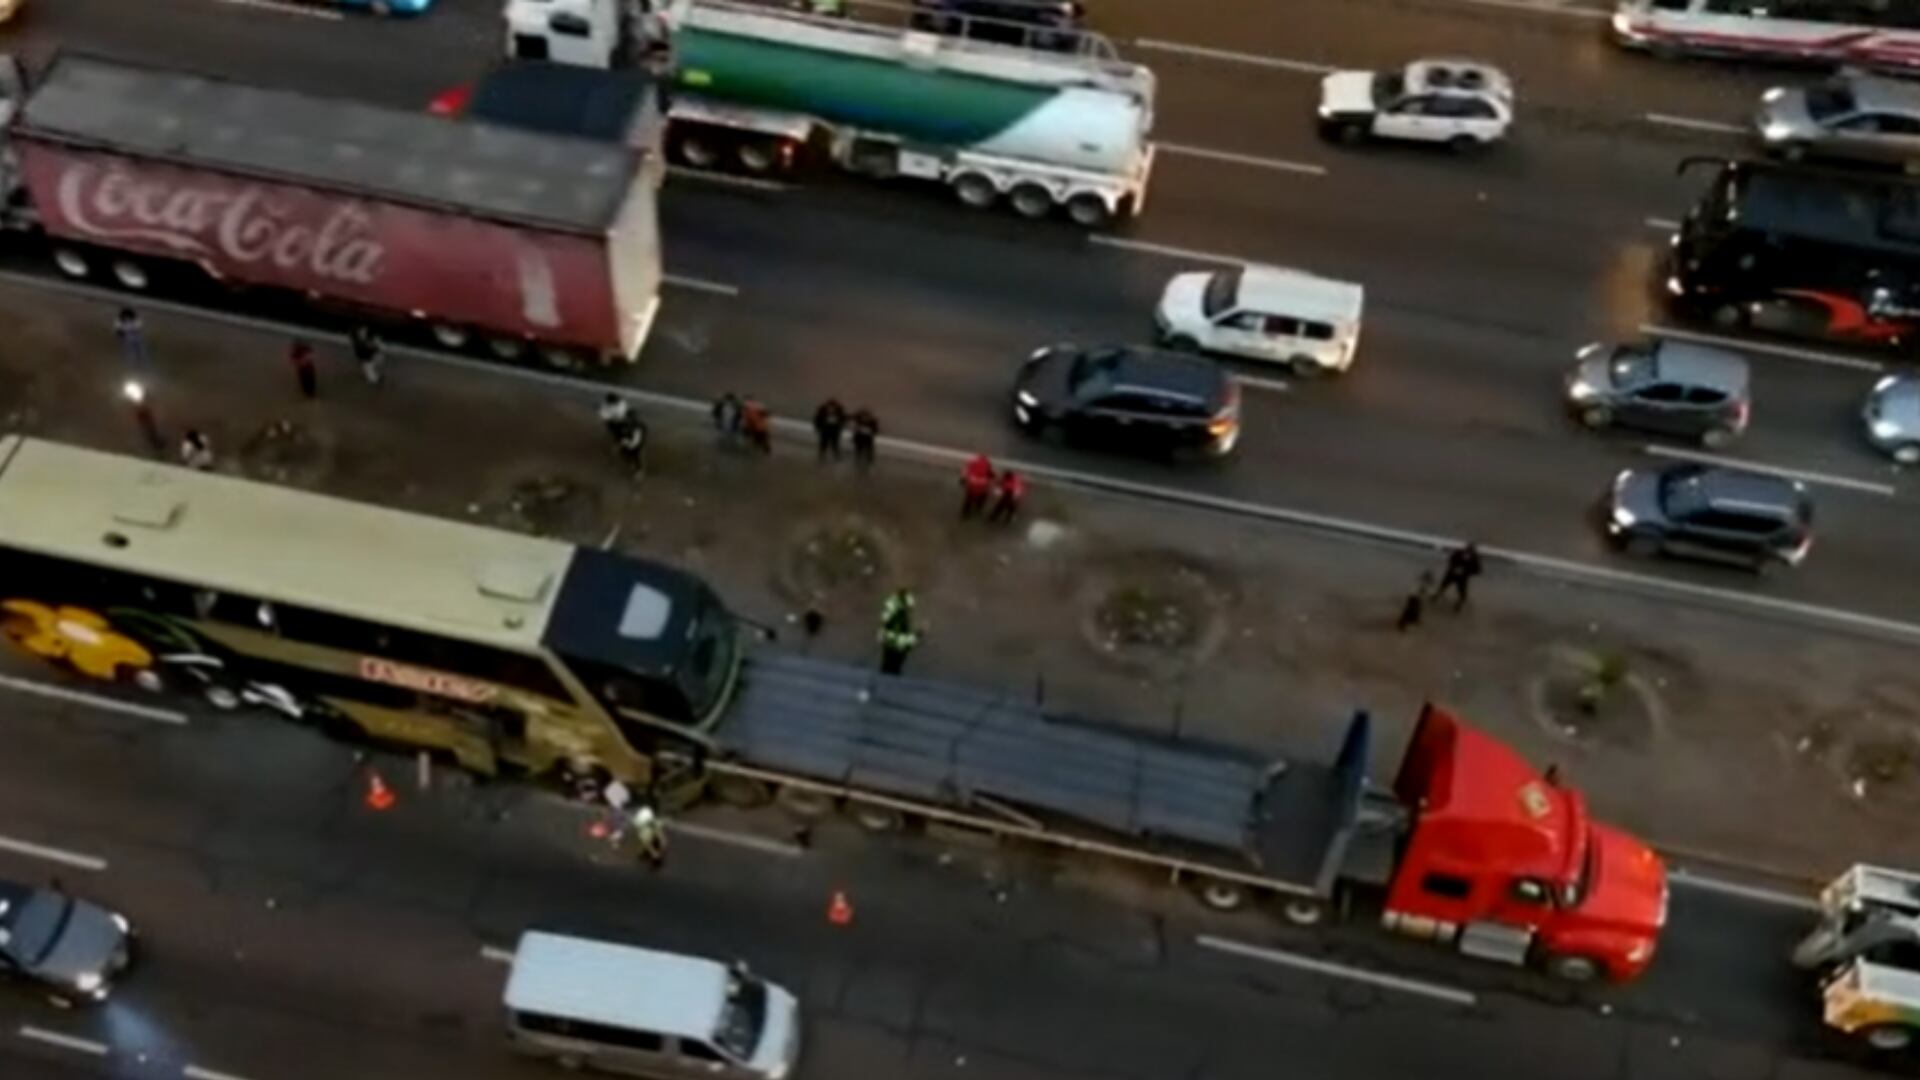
<point x="80" y="697"/>
<point x="62" y="856"/>
<point x="65" y="1042"/>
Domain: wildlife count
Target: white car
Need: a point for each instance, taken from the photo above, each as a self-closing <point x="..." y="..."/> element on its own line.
<point x="1462" y="104"/>
<point x="1273" y="314"/>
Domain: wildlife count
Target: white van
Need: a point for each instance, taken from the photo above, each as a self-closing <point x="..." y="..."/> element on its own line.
<point x="1309" y="323"/>
<point x="646" y="1013"/>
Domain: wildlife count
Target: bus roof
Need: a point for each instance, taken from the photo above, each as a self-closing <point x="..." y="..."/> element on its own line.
<point x="274" y="543"/>
<point x="1859" y="211"/>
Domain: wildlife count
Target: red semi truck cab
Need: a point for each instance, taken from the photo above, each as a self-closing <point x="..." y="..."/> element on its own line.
<point x="1504" y="863"/>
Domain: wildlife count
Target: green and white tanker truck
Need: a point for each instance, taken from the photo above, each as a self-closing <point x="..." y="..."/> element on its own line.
<point x="757" y="88"/>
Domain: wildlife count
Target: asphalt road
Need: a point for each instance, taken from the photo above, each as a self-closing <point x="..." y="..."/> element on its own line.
<point x="290" y="933"/>
<point x="1483" y="272"/>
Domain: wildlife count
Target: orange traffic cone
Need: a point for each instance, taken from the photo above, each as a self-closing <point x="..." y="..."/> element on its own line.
<point x="379" y="795"/>
<point x="839" y="911"/>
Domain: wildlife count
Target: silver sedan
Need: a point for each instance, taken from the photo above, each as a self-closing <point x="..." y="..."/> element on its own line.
<point x="1892" y="415"/>
<point x="1861" y="117"/>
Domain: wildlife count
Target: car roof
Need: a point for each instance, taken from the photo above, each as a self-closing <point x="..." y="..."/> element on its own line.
<point x="1276" y="290"/>
<point x="1701" y="365"/>
<point x="1140" y="367"/>
<point x="1738" y="488"/>
<point x="1900" y="399"/>
<point x="1443" y="75"/>
<point x="1878" y="94"/>
<point x="619" y="985"/>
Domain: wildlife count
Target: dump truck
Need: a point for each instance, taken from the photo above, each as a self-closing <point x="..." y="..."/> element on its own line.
<point x="500" y="240"/>
<point x="1865" y="949"/>
<point x="759" y="88"/>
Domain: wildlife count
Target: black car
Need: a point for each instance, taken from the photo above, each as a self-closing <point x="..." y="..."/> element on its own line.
<point x="1038" y="24"/>
<point x="1130" y="397"/>
<point x="1706" y="512"/>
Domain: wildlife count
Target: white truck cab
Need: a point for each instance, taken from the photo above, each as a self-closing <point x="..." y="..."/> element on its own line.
<point x="1458" y="103"/>
<point x="1309" y="323"/>
<point x="583" y="32"/>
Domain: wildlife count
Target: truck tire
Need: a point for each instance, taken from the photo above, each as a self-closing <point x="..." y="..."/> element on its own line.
<point x="130" y="275"/>
<point x="1303" y="911"/>
<point x="741" y="791"/>
<point x="1031" y="200"/>
<point x="1220" y="894"/>
<point x="1572" y="967"/>
<point x="975" y="190"/>
<point x="696" y="150"/>
<point x="506" y="348"/>
<point x="1887" y="1037"/>
<point x="450" y="336"/>
<point x="878" y="819"/>
<point x="72" y="262"/>
<point x="758" y="156"/>
<point x="561" y="358"/>
<point x="1089" y="211"/>
<point x="805" y="803"/>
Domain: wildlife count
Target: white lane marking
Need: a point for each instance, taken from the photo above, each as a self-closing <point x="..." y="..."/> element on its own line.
<point x="718" y="288"/>
<point x="1690" y="123"/>
<point x="1437" y="991"/>
<point x="1790" y="352"/>
<point x="1681" y="453"/>
<point x="280" y="7"/>
<point x="1543" y="7"/>
<point x="52" y="854"/>
<point x="1545" y="565"/>
<point x="737" y="839"/>
<point x="496" y="954"/>
<point x="1663" y="224"/>
<point x="1204" y="52"/>
<point x="81" y="697"/>
<point x="1279" y="386"/>
<point x="68" y="1042"/>
<point x="750" y="182"/>
<point x="1690" y="880"/>
<point x="196" y="1072"/>
<point x="1276" y="164"/>
<point x="1166" y="249"/>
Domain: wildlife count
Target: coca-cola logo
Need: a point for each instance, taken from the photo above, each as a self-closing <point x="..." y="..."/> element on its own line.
<point x="242" y="224"/>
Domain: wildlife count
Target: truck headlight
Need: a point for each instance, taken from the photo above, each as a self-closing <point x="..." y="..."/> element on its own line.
<point x="1027" y="399"/>
<point x="1884" y="429"/>
<point x="1325" y="110"/>
<point x="1623" y="518"/>
<point x="1642" y="950"/>
<point x="1774" y="131"/>
<point x="90" y="984"/>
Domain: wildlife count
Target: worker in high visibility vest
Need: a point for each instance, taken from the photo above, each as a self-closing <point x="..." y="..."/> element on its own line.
<point x="897" y="640"/>
<point x="650" y="833"/>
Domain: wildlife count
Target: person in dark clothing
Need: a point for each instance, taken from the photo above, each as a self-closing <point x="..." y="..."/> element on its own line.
<point x="301" y="357"/>
<point x="866" y="432"/>
<point x="632" y="445"/>
<point x="1463" y="565"/>
<point x="830" y="425"/>
<point x="1415" y="604"/>
<point x="368" y="352"/>
<point x="726" y="415"/>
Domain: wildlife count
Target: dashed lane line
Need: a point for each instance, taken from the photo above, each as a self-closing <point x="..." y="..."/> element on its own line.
<point x="1689" y="880"/>
<point x="198" y="1072"/>
<point x="1814" y="356"/>
<point x="282" y="7"/>
<point x="64" y="1041"/>
<point x="496" y="954"/>
<point x="1301" y="168"/>
<point x="709" y="176"/>
<point x="1691" y="123"/>
<point x="1543" y="7"/>
<point x="1701" y="457"/>
<point x="1420" y="987"/>
<point x="718" y="288"/>
<point x="1278" y="386"/>
<point x="735" y="839"/>
<point x="75" y="859"/>
<point x="1662" y="224"/>
<point x="1147" y="247"/>
<point x="98" y="701"/>
<point x="1205" y="52"/>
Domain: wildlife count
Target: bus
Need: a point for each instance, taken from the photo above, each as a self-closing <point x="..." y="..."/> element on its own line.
<point x="1879" y="34"/>
<point x="1800" y="251"/>
<point x="509" y="654"/>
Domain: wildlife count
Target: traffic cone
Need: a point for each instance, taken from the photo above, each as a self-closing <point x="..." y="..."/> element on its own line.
<point x="839" y="911"/>
<point x="379" y="795"/>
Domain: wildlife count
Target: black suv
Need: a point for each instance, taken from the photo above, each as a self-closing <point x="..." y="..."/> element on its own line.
<point x="1130" y="397"/>
<point x="1723" y="515"/>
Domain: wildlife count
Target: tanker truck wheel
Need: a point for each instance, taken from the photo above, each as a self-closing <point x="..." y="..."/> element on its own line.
<point x="71" y="262"/>
<point x="696" y="151"/>
<point x="131" y="275"/>
<point x="1031" y="200"/>
<point x="975" y="190"/>
<point x="450" y="336"/>
<point x="506" y="348"/>
<point x="758" y="156"/>
<point x="1088" y="210"/>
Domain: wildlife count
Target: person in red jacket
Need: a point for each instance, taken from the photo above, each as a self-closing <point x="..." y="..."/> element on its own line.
<point x="976" y="481"/>
<point x="1013" y="490"/>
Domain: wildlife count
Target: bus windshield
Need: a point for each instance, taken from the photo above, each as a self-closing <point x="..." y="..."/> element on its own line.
<point x="712" y="657"/>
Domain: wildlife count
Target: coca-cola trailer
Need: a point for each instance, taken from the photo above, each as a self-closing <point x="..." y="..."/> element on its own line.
<point x="514" y="241"/>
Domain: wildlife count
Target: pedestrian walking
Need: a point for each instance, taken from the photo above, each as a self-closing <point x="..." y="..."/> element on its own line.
<point x="132" y="334"/>
<point x="1415" y="604"/>
<point x="196" y="450"/>
<point x="650" y="835"/>
<point x="616" y="413"/>
<point x="976" y="481"/>
<point x="1463" y="565"/>
<point x="898" y="639"/>
<point x="726" y="415"/>
<point x="830" y="425"/>
<point x="1012" y="488"/>
<point x="866" y="432"/>
<point x="301" y="357"/>
<point x="369" y="352"/>
<point x="632" y="444"/>
<point x="756" y="425"/>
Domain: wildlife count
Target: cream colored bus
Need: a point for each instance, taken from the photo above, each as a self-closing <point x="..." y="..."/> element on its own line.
<point x="507" y="653"/>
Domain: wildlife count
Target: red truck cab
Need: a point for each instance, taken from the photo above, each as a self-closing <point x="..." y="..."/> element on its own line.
<point x="1504" y="863"/>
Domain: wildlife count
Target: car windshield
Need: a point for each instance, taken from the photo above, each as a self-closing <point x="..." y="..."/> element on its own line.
<point x="713" y="650"/>
<point x="1387" y="88"/>
<point x="1093" y="366"/>
<point x="1683" y="492"/>
<point x="1222" y="287"/>
<point x="1830" y="100"/>
<point x="1630" y="366"/>
<point x="31" y="925"/>
<point x="743" y="1015"/>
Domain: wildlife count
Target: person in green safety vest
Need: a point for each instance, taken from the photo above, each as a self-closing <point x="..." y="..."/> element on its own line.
<point x="898" y="605"/>
<point x="830" y="8"/>
<point x="897" y="635"/>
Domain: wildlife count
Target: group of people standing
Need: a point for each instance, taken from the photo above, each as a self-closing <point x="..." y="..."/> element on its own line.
<point x="979" y="481"/>
<point x="1456" y="577"/>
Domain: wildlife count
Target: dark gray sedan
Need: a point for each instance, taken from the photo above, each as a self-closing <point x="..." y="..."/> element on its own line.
<point x="72" y="948"/>
<point x="1705" y="512"/>
<point x="1670" y="387"/>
